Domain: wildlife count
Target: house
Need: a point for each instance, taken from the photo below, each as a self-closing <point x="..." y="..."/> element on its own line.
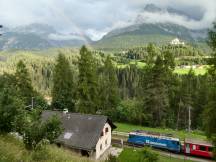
<point x="89" y="135"/>
<point x="176" y="41"/>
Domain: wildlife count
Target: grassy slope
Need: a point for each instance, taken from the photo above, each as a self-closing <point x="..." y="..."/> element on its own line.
<point x="180" y="134"/>
<point x="125" y="41"/>
<point x="198" y="71"/>
<point x="13" y="150"/>
<point x="130" y="155"/>
<point x="182" y="71"/>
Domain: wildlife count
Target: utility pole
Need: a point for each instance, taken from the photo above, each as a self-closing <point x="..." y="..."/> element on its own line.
<point x="32" y="104"/>
<point x="189" y="118"/>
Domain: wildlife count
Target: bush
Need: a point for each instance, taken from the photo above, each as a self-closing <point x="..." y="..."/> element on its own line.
<point x="41" y="152"/>
<point x="148" y="155"/>
<point x="36" y="131"/>
<point x="10" y="106"/>
<point x="130" y="111"/>
<point x="111" y="159"/>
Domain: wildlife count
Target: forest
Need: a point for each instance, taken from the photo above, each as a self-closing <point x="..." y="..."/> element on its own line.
<point x="127" y="82"/>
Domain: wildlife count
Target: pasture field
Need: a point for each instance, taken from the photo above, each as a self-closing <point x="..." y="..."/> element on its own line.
<point x="123" y="127"/>
<point x="198" y="71"/>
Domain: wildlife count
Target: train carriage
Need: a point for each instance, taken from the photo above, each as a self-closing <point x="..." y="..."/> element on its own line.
<point x="155" y="140"/>
<point x="198" y="148"/>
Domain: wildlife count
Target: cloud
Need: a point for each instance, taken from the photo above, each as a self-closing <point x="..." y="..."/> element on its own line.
<point x="97" y="17"/>
<point x="98" y="34"/>
<point x="165" y="17"/>
<point x="65" y="37"/>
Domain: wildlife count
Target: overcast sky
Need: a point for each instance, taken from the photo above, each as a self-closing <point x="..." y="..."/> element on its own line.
<point x="97" y="17"/>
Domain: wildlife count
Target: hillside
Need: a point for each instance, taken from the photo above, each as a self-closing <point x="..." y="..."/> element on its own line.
<point x="146" y="27"/>
<point x="142" y="34"/>
<point x="13" y="150"/>
<point x="40" y="63"/>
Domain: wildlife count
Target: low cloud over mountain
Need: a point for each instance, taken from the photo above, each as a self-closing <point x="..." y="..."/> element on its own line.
<point x="95" y="18"/>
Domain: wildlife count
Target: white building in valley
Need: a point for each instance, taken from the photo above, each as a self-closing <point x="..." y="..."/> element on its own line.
<point x="176" y="41"/>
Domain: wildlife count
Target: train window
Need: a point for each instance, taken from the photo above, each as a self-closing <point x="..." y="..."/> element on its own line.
<point x="202" y="148"/>
<point x="194" y="147"/>
<point x="175" y="142"/>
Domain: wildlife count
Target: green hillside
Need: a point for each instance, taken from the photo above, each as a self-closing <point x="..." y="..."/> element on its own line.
<point x="13" y="150"/>
<point x="125" y="41"/>
<point x="142" y="34"/>
<point x="41" y="63"/>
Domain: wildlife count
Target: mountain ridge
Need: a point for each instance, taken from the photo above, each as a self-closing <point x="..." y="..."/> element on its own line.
<point x="142" y="34"/>
<point x="38" y="36"/>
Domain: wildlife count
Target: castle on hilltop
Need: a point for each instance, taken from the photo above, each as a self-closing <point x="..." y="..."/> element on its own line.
<point x="176" y="41"/>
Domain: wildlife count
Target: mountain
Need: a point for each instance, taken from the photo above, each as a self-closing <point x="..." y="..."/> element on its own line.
<point x="38" y="36"/>
<point x="165" y="29"/>
<point x="152" y="8"/>
<point x="142" y="32"/>
<point x="42" y="36"/>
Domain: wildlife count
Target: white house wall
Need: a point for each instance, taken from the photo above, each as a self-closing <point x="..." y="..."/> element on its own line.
<point x="102" y="141"/>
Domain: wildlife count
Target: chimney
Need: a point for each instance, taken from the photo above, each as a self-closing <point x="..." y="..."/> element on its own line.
<point x="65" y="111"/>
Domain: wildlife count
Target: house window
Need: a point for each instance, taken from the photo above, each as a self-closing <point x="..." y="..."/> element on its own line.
<point x="101" y="147"/>
<point x="102" y="133"/>
<point x="106" y="142"/>
<point x="107" y="130"/>
<point x="202" y="148"/>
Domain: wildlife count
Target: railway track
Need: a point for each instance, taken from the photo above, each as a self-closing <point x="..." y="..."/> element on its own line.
<point x="123" y="143"/>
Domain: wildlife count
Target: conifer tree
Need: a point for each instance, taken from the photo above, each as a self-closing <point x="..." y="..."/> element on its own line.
<point x="23" y="83"/>
<point x="210" y="111"/>
<point x="25" y="89"/>
<point x="88" y="99"/>
<point x="10" y="103"/>
<point x="63" y="91"/>
<point x="109" y="93"/>
<point x="156" y="99"/>
<point x="152" y="54"/>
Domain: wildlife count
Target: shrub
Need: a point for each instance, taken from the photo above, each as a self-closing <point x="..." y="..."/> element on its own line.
<point x="148" y="155"/>
<point x="41" y="152"/>
<point x="36" y="130"/>
<point x="111" y="158"/>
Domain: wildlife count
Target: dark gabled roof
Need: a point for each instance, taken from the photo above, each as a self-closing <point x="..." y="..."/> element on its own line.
<point x="81" y="131"/>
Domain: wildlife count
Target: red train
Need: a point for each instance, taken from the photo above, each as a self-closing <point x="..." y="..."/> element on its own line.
<point x="198" y="148"/>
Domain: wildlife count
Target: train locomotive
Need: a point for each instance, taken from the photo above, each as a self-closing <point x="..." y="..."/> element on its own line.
<point x="167" y="142"/>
